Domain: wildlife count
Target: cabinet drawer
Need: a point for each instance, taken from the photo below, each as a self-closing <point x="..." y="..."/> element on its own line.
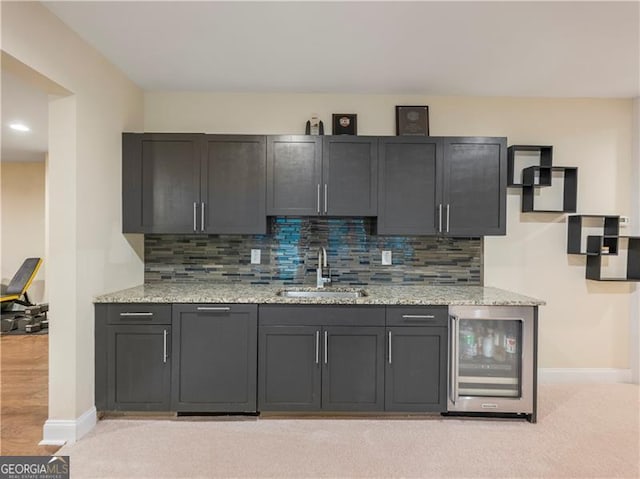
<point x="139" y="313"/>
<point x="417" y="315"/>
<point x="321" y="315"/>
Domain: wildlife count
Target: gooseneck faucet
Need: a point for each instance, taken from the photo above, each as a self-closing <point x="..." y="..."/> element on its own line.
<point x="323" y="274"/>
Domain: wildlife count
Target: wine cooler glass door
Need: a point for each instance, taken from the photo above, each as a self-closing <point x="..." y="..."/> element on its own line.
<point x="489" y="358"/>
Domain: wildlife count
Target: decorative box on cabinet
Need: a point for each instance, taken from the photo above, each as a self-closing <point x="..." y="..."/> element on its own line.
<point x="595" y="258"/>
<point x="531" y="184"/>
<point x="520" y="157"/>
<point x="608" y="225"/>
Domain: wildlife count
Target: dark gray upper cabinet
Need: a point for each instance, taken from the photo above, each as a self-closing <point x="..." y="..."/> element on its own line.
<point x="353" y="374"/>
<point x="350" y="176"/>
<point x="294" y="175"/>
<point x="475" y="186"/>
<point x="160" y="182"/>
<point x="416" y="369"/>
<point x="315" y="175"/>
<point x="289" y="368"/>
<point x="409" y="192"/>
<point x="451" y="186"/>
<point x="233" y="184"/>
<point x="193" y="183"/>
<point x="215" y="360"/>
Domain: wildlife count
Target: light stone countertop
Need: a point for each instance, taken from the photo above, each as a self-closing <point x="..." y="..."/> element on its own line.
<point x="235" y="293"/>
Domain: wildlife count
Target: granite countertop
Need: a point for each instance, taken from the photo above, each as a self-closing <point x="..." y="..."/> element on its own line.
<point x="231" y="293"/>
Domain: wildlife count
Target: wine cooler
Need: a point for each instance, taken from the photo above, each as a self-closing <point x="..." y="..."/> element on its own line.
<point x="492" y="360"/>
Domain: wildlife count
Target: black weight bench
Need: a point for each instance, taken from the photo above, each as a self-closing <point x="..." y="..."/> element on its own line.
<point x="16" y="291"/>
<point x="32" y="316"/>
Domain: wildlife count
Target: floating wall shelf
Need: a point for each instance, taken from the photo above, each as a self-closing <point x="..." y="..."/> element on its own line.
<point x="608" y="225"/>
<point x="520" y="157"/>
<point x="533" y="178"/>
<point x="594" y="261"/>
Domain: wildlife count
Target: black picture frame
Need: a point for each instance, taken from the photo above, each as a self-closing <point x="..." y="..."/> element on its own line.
<point x="345" y="124"/>
<point x="412" y="120"/>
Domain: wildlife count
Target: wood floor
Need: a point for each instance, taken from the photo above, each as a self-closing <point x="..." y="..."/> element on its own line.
<point x="24" y="393"/>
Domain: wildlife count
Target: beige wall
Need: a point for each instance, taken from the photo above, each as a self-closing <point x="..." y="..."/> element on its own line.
<point x="87" y="254"/>
<point x="634" y="337"/>
<point x="22" y="229"/>
<point x="584" y="324"/>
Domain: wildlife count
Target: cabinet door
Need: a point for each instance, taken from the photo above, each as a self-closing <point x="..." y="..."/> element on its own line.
<point x="416" y="369"/>
<point x="353" y="369"/>
<point x="138" y="368"/>
<point x="289" y="368"/>
<point x="215" y="358"/>
<point x="350" y="176"/>
<point x="409" y="194"/>
<point x="233" y="185"/>
<point x="160" y="182"/>
<point x="475" y="186"/>
<point x="294" y="175"/>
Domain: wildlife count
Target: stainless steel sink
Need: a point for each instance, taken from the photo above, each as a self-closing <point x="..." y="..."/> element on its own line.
<point x="351" y="294"/>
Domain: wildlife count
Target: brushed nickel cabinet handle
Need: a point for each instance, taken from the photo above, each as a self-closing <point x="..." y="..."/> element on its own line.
<point x="214" y="309"/>
<point x="202" y="216"/>
<point x="326" y="347"/>
<point x="317" y="347"/>
<point x="195" y="216"/>
<point x="454" y="358"/>
<point x="326" y="199"/>
<point x="136" y="314"/>
<point x="389" y="347"/>
<point x="447" y="217"/>
<point x="440" y="218"/>
<point x="418" y="316"/>
<point x="318" y="204"/>
<point x="164" y="354"/>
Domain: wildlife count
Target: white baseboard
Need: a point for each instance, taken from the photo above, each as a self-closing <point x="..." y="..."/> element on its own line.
<point x="57" y="432"/>
<point x="583" y="375"/>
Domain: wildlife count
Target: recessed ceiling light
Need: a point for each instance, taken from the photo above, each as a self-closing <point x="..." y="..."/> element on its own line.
<point x="19" y="127"/>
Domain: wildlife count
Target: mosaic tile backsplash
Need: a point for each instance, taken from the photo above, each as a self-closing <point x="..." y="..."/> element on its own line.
<point x="290" y="255"/>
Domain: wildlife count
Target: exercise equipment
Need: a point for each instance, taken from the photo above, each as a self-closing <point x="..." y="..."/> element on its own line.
<point x="16" y="291"/>
<point x="34" y="316"/>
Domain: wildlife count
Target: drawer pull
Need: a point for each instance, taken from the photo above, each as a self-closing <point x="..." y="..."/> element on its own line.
<point x="214" y="309"/>
<point x="135" y="315"/>
<point x="418" y="316"/>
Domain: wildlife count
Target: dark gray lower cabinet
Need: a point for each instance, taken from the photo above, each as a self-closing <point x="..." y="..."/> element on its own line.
<point x="132" y="357"/>
<point x="215" y="360"/>
<point x="328" y="358"/>
<point x="416" y="369"/>
<point x="289" y="368"/>
<point x="139" y="371"/>
<point x="353" y="369"/>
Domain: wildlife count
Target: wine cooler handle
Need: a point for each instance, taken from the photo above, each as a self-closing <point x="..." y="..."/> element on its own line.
<point x="454" y="358"/>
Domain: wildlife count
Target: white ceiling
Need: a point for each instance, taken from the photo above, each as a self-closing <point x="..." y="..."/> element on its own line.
<point x="540" y="49"/>
<point x="23" y="103"/>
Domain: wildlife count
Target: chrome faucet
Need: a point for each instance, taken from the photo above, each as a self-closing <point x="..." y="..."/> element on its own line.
<point x="323" y="273"/>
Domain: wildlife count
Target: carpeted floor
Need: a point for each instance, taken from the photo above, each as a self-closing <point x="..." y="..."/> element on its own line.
<point x="583" y="431"/>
